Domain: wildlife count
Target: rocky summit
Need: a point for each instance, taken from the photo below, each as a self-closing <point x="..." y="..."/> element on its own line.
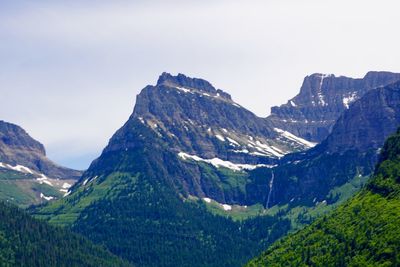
<point x="322" y="99"/>
<point x="198" y="119"/>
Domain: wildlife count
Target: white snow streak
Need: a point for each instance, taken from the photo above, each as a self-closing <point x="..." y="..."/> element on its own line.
<point x="294" y="138"/>
<point x="216" y="162"/>
<point x="18" y="168"/>
<point x="233" y="141"/>
<point x="226" y="207"/>
<point x="269" y="149"/>
<point x="45" y="197"/>
<point x="320" y="95"/>
<point x="206" y="199"/>
<point x="183" y="89"/>
<point x="220" y="137"/>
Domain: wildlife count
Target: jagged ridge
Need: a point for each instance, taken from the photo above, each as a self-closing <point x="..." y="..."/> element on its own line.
<point x="322" y="99"/>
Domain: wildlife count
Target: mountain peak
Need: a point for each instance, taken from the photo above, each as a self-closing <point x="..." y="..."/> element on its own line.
<point x="184" y="81"/>
<point x="13" y="136"/>
<point x="17" y="147"/>
<point x="320" y="75"/>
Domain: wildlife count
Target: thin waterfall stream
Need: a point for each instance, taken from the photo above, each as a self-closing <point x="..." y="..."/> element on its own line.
<point x="271" y="184"/>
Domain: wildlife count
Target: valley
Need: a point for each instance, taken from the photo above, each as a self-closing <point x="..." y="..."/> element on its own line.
<point x="194" y="179"/>
<point x="189" y="155"/>
<point x="199" y="134"/>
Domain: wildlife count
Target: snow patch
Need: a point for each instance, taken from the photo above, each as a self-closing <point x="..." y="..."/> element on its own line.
<point x="349" y="99"/>
<point x="183" y="89"/>
<point x="43" y="179"/>
<point x="88" y="180"/>
<point x="220" y="137"/>
<point x="226" y="207"/>
<point x="216" y="162"/>
<point x="236" y="105"/>
<point x="18" y="168"/>
<point x="46" y="197"/>
<point x="21" y="168"/>
<point x="66" y="185"/>
<point x="268" y="149"/>
<point x="295" y="138"/>
<point x="206" y="199"/>
<point x="233" y="141"/>
<point x="245" y="151"/>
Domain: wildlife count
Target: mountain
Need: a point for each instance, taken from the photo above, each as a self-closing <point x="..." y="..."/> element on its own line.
<point x="189" y="153"/>
<point x="349" y="153"/>
<point x="322" y="99"/>
<point x="362" y="232"/>
<point x="146" y="197"/>
<point x="195" y="122"/>
<point x="27" y="176"/>
<point x="18" y="148"/>
<point x="25" y="241"/>
<point x="194" y="117"/>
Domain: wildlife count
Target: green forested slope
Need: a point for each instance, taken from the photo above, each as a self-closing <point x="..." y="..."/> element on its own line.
<point x="363" y="232"/>
<point x="130" y="201"/>
<point x="25" y="241"/>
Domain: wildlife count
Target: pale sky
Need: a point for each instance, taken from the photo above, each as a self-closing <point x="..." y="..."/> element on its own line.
<point x="70" y="70"/>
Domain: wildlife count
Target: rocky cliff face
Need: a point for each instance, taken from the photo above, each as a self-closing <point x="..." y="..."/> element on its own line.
<point x="349" y="151"/>
<point x="187" y="122"/>
<point x="322" y="99"/>
<point x="368" y="123"/>
<point x="198" y="119"/>
<point x="18" y="149"/>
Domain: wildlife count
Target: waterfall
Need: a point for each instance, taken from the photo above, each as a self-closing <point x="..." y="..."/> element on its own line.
<point x="271" y="184"/>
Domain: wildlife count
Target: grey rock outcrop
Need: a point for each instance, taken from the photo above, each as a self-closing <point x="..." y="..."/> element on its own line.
<point x="18" y="148"/>
<point x="322" y="99"/>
